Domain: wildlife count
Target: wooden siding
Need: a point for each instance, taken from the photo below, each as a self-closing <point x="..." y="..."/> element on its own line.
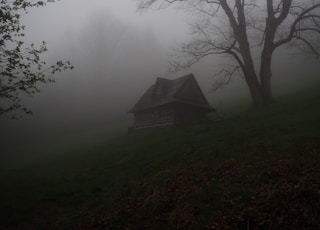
<point x="161" y="116"/>
<point x="173" y="115"/>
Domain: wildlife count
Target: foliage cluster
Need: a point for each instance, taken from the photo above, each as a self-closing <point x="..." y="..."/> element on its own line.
<point x="22" y="67"/>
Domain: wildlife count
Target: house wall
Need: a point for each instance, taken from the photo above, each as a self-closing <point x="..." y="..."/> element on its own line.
<point x="173" y="115"/>
<point x="160" y="116"/>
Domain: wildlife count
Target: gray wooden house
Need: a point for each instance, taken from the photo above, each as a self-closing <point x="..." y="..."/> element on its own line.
<point x="175" y="102"/>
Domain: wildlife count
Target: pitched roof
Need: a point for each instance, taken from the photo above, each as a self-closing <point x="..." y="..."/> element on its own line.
<point x="183" y="90"/>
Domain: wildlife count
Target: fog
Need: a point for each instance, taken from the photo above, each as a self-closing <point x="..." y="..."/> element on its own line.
<point x="117" y="54"/>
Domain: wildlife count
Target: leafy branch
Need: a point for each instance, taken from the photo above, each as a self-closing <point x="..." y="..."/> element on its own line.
<point x="21" y="67"/>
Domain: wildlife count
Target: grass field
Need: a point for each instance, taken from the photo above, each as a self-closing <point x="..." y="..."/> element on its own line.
<point x="256" y="170"/>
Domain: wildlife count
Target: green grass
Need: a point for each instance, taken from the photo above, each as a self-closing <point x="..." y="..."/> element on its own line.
<point x="245" y="171"/>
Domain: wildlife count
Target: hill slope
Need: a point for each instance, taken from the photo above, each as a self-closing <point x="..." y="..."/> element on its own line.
<point x="259" y="170"/>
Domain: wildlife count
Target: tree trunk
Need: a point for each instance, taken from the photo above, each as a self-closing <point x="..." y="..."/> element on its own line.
<point x="249" y="71"/>
<point x="272" y="24"/>
<point x="265" y="77"/>
<point x="254" y="88"/>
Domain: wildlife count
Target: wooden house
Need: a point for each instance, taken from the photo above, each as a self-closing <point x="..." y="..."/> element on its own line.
<point x="175" y="102"/>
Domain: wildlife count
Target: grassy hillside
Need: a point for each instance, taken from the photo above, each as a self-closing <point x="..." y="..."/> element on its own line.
<point x="257" y="170"/>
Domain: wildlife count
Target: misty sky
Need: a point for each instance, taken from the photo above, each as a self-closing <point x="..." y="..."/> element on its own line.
<point x="117" y="54"/>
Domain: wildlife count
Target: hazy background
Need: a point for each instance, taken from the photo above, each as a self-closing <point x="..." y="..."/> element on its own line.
<point x="117" y="54"/>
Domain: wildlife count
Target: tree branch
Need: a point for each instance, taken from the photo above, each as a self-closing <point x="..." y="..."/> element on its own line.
<point x="302" y="16"/>
<point x="308" y="44"/>
<point x="225" y="77"/>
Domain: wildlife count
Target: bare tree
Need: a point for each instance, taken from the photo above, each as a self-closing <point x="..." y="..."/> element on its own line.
<point x="240" y="28"/>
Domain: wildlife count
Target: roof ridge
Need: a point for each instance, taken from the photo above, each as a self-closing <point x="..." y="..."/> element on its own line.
<point x="165" y="78"/>
<point x="189" y="75"/>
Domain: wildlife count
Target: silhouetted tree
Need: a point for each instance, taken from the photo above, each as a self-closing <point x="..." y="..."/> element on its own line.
<point x="21" y="68"/>
<point x="240" y="28"/>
